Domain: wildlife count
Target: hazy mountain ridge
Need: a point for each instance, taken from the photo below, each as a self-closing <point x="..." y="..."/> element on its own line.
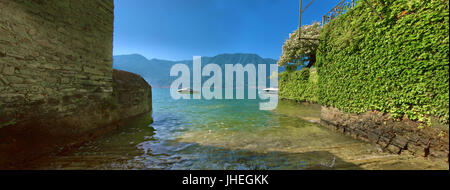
<point x="157" y="71"/>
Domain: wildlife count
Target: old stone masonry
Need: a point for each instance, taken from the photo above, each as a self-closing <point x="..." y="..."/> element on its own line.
<point x="57" y="85"/>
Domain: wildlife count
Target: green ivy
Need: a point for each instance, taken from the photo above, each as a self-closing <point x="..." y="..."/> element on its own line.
<point x="398" y="64"/>
<point x="299" y="85"/>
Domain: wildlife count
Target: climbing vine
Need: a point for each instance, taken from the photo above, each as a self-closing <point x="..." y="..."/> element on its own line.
<point x="398" y="64"/>
<point x="299" y="85"/>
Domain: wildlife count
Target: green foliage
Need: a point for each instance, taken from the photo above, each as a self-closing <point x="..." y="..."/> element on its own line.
<point x="299" y="85"/>
<point x="291" y="68"/>
<point x="397" y="65"/>
<point x="304" y="75"/>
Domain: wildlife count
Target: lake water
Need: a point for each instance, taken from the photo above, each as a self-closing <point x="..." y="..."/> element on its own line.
<point x="229" y="134"/>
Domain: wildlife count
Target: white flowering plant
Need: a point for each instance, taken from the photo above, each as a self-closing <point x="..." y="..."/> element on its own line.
<point x="298" y="50"/>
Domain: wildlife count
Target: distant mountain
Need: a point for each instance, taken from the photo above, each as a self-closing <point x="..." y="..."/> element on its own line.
<point x="157" y="71"/>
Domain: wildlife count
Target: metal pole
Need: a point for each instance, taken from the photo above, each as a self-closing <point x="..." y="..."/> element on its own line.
<point x="300" y="20"/>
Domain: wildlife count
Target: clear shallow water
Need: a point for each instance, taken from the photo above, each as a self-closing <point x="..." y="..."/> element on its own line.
<point x="229" y="134"/>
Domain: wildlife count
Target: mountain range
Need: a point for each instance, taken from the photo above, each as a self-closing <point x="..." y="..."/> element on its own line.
<point x="157" y="71"/>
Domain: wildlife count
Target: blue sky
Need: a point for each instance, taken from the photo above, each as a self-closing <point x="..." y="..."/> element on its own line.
<point x="180" y="29"/>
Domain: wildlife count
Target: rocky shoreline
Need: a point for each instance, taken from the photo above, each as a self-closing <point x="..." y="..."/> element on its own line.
<point x="394" y="136"/>
<point x="397" y="137"/>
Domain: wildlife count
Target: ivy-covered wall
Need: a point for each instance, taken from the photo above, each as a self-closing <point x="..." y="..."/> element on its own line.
<point x="397" y="64"/>
<point x="299" y="85"/>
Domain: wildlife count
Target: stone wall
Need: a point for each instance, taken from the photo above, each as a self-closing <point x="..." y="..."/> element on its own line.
<point x="397" y="137"/>
<point x="56" y="77"/>
<point x="54" y="56"/>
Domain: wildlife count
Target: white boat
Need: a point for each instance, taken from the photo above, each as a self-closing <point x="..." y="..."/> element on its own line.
<point x="270" y="90"/>
<point x="185" y="90"/>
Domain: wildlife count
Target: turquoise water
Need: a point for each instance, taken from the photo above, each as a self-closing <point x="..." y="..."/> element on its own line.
<point x="228" y="134"/>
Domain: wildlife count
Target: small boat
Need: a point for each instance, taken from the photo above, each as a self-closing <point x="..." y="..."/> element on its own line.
<point x="270" y="90"/>
<point x="185" y="91"/>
